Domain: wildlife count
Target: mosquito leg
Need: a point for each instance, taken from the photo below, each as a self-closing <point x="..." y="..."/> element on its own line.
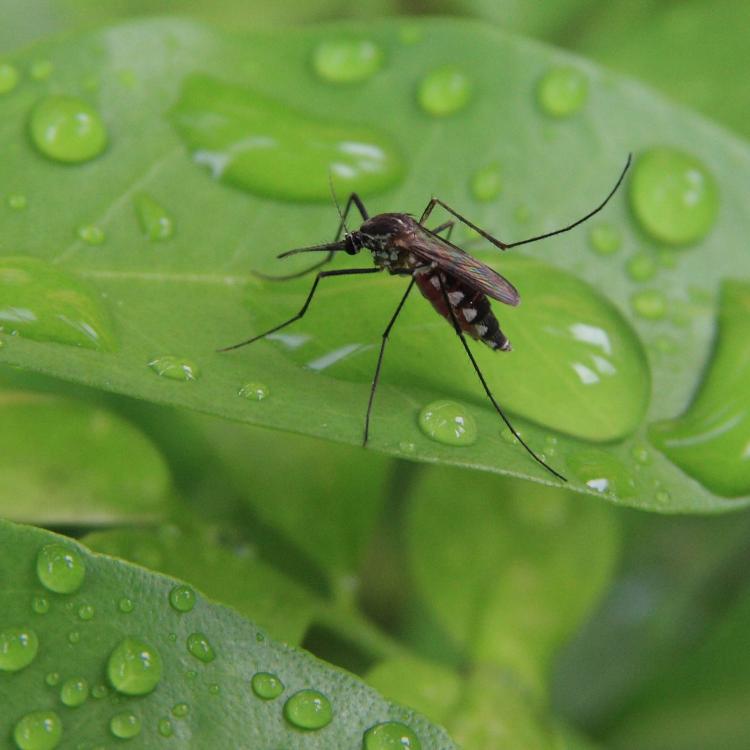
<point x="437" y="202"/>
<point x="376" y="377"/>
<point x="303" y="310"/>
<point x="446" y="227"/>
<point x="487" y="390"/>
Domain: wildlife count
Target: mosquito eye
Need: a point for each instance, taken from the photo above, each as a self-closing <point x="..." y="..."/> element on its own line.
<point x="351" y="247"/>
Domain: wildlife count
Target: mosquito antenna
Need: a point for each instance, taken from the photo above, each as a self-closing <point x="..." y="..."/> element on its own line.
<point x="585" y="218"/>
<point x="336" y="203"/>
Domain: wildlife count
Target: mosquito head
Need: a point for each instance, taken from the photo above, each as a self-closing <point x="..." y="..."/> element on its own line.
<point x="353" y="242"/>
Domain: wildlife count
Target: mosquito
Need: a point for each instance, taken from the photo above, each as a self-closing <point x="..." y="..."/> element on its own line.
<point x="457" y="285"/>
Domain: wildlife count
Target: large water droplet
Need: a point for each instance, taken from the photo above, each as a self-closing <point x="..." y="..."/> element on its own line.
<point x="60" y="568"/>
<point x="711" y="440"/>
<point x="74" y="692"/>
<point x="155" y="221"/>
<point x="254" y="391"/>
<point x="487" y="183"/>
<point x="308" y="709"/>
<point x="125" y="725"/>
<point x="673" y="196"/>
<point x="266" y="685"/>
<point x="9" y="77"/>
<point x="182" y="598"/>
<point x="200" y="647"/>
<point x="134" y="667"/>
<point x="18" y="648"/>
<point x="449" y="423"/>
<point x="40" y="730"/>
<point x="391" y="735"/>
<point x="67" y="129"/>
<point x="174" y="368"/>
<point x="347" y="60"/>
<point x="444" y="91"/>
<point x="259" y="145"/>
<point x="40" y="302"/>
<point x="562" y="91"/>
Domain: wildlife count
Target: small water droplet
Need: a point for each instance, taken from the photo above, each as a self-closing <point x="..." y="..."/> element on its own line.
<point x="125" y="605"/>
<point x="650" y="304"/>
<point x="562" y="91"/>
<point x="91" y="234"/>
<point x="155" y="221"/>
<point x="673" y="196"/>
<point x="641" y="267"/>
<point x="602" y="472"/>
<point x="172" y="637"/>
<point x="74" y="692"/>
<point x="449" y="423"/>
<point x="444" y="91"/>
<point x="41" y="70"/>
<point x="165" y="728"/>
<point x="134" y="667"/>
<point x="182" y="598"/>
<point x="18" y="648"/>
<point x="17" y="201"/>
<point x="405" y="446"/>
<point x="174" y="368"/>
<point x="347" y="60"/>
<point x="641" y="453"/>
<point x="254" y="391"/>
<point x="191" y="673"/>
<point x="9" y="78"/>
<point x="99" y="691"/>
<point x="308" y="709"/>
<point x="86" y="612"/>
<point x="487" y="184"/>
<point x="180" y="710"/>
<point x="266" y="685"/>
<point x="67" y="129"/>
<point x="391" y="735"/>
<point x="663" y="497"/>
<point x="52" y="678"/>
<point x="260" y="637"/>
<point x="125" y="725"/>
<point x="198" y="645"/>
<point x="40" y="604"/>
<point x="40" y="730"/>
<point x="60" y="568"/>
<point x="214" y="689"/>
<point x="605" y="239"/>
<point x="74" y="637"/>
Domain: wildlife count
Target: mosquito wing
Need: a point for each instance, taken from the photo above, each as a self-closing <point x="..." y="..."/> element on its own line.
<point x="456" y="262"/>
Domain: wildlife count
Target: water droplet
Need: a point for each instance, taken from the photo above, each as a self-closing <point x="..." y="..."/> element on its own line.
<point x="60" y="568"/>
<point x="74" y="637"/>
<point x="74" y="692"/>
<point x="254" y="391"/>
<point x="444" y="91"/>
<point x="663" y="497"/>
<point x="266" y="685"/>
<point x="40" y="730"/>
<point x="262" y="146"/>
<point x="391" y="735"/>
<point x="308" y="709"/>
<point x="641" y="267"/>
<point x="191" y="673"/>
<point x="347" y="60"/>
<point x="602" y="472"/>
<point x="134" y="667"/>
<point x="155" y="221"/>
<point x="67" y="129"/>
<point x="165" y="728"/>
<point x="172" y="637"/>
<point x="260" y="637"/>
<point x="711" y="440"/>
<point x="52" y="678"/>
<point x="174" y="368"/>
<point x="125" y="725"/>
<point x="9" y="78"/>
<point x="125" y="605"/>
<point x="562" y="91"/>
<point x="41" y="302"/>
<point x="180" y="710"/>
<point x="86" y="612"/>
<point x="641" y="453"/>
<point x="406" y="446"/>
<point x="605" y="239"/>
<point x="486" y="184"/>
<point x="199" y="646"/>
<point x="673" y="196"/>
<point x="182" y="598"/>
<point x="650" y="304"/>
<point x="91" y="234"/>
<point x="18" y="648"/>
<point x="99" y="691"/>
<point x="41" y="70"/>
<point x="17" y="201"/>
<point x="214" y="689"/>
<point x="449" y="423"/>
<point x="40" y="605"/>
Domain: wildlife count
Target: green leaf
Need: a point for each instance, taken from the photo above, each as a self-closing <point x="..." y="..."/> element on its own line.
<point x="172" y="302"/>
<point x="222" y="710"/>
<point x="61" y="462"/>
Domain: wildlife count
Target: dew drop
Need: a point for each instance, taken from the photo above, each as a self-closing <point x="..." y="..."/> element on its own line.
<point x="391" y="735"/>
<point x="60" y="568"/>
<point x="174" y="368"/>
<point x="41" y="70"/>
<point x="67" y="129"/>
<point x="18" y="648"/>
<point x="86" y="612"/>
<point x="165" y="728"/>
<point x="602" y="472"/>
<point x="180" y="710"/>
<point x="449" y="423"/>
<point x="40" y="302"/>
<point x="406" y="446"/>
<point x="74" y="692"/>
<point x="74" y="637"/>
<point x="52" y="678"/>
<point x="641" y="267"/>
<point x="214" y="689"/>
<point x="198" y="645"/>
<point x="562" y="91"/>
<point x="266" y="685"/>
<point x="674" y="198"/>
<point x="125" y="725"/>
<point x="40" y="605"/>
<point x="641" y="454"/>
<point x="134" y="667"/>
<point x="17" y="201"/>
<point x="182" y="598"/>
<point x="125" y="605"/>
<point x="172" y="637"/>
<point x="9" y="77"/>
<point x="487" y="184"/>
<point x="347" y="60"/>
<point x="650" y="304"/>
<point x="254" y="391"/>
<point x="308" y="709"/>
<point x="99" y="691"/>
<point x="91" y="234"/>
<point x="605" y="239"/>
<point x="40" y="730"/>
<point x="444" y="91"/>
<point x="155" y="221"/>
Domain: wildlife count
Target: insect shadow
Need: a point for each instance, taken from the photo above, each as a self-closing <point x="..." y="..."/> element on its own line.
<point x="457" y="285"/>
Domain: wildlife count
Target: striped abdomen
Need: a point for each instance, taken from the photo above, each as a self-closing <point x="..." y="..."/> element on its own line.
<point x="470" y="307"/>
